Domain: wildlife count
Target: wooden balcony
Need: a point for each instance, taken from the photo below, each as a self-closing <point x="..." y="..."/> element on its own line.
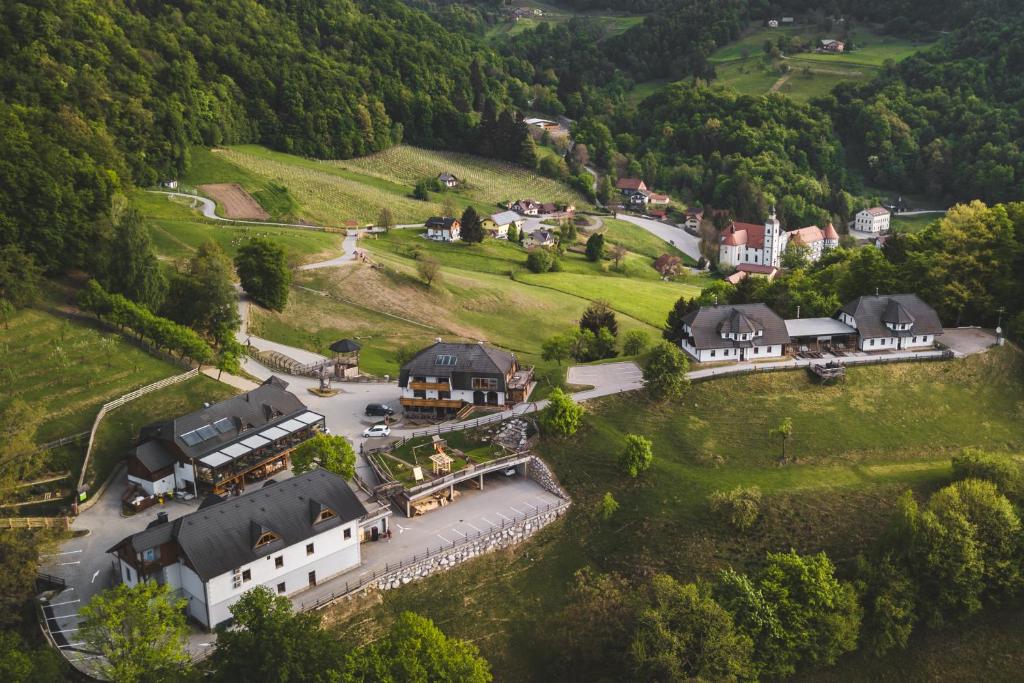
<point x="430" y="386"/>
<point x="430" y="403"/>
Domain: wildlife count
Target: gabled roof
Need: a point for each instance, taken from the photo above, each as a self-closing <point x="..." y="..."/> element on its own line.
<point x="542" y="236"/>
<point x="808" y="235"/>
<point x="630" y="184"/>
<point x="221" y="537"/>
<point x="442" y="359"/>
<point x="871" y="313"/>
<point x="442" y="223"/>
<point x="154" y="456"/>
<point x="209" y="428"/>
<point x="506" y="218"/>
<point x="877" y="211"/>
<point x="445" y="177"/>
<point x="749" y="234"/>
<point x="706" y="325"/>
<point x="757" y="269"/>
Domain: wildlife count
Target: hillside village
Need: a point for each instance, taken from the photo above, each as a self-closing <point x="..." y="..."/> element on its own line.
<point x="545" y="347"/>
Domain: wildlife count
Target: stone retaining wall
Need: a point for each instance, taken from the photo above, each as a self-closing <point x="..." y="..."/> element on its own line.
<point x="538" y="470"/>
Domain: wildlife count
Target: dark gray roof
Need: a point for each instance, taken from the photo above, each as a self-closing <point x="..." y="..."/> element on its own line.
<point x="442" y="359"/>
<point x="222" y="536"/>
<point x="345" y="346"/>
<point x="706" y="325"/>
<point x="872" y="312"/>
<point x="154" y="456"/>
<point x="212" y="427"/>
<point x="437" y="222"/>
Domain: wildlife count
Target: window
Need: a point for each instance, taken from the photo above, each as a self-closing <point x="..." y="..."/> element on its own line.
<point x="266" y="537"/>
<point x="279" y="561"/>
<point x="348" y="533"/>
<point x="128" y="572"/>
<point x="149" y="554"/>
<point x="247" y="575"/>
<point x="913" y="340"/>
<point x="757" y="349"/>
<point x="324" y="514"/>
<point x="309" y="548"/>
<point x="712" y="353"/>
<point x="871" y="342"/>
<point x="485" y="383"/>
<point x="280" y="587"/>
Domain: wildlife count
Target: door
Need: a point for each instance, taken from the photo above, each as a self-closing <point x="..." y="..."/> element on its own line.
<point x="312" y="579"/>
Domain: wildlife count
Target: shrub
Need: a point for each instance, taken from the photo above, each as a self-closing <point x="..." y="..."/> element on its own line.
<point x="739" y="507"/>
<point x="637" y="456"/>
<point x="539" y="260"/>
<point x="635" y="342"/>
<point x="1005" y="473"/>
<point x="562" y="415"/>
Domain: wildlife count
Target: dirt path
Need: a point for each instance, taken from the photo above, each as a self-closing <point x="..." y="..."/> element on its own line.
<point x="779" y="83"/>
<point x="236" y="201"/>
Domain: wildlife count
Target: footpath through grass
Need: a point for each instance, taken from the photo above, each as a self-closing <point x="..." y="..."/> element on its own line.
<point x="856" y="447"/>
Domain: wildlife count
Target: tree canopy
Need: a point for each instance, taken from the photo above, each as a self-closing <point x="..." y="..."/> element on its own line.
<point x="263" y="271"/>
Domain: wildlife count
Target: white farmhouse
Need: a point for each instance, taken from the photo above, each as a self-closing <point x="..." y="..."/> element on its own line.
<point x="446" y="229"/>
<point x="890" y="322"/>
<point x="875" y="219"/>
<point x="287" y="537"/>
<point x="734" y="333"/>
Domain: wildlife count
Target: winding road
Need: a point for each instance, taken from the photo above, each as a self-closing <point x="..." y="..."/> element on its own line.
<point x="682" y="240"/>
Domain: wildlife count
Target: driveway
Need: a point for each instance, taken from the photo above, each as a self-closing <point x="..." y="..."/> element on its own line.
<point x="606" y="378"/>
<point x="965" y="341"/>
<point x="682" y="240"/>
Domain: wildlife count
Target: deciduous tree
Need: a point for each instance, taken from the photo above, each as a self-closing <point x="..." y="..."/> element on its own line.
<point x="635" y="342"/>
<point x="329" y="451"/>
<point x="429" y="270"/>
<point x="636" y="456"/>
<point x="557" y="348"/>
<point x="563" y="415"/>
<point x="263" y="270"/>
<point x="608" y="506"/>
<point x="386" y="219"/>
<point x="665" y="372"/>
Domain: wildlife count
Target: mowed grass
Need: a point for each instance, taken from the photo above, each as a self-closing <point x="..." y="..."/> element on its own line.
<point x="121" y="426"/>
<point x="857" y="448"/>
<point x="804" y="81"/>
<point x="67" y="368"/>
<point x="871" y="48"/>
<point x="177" y="230"/>
<point x="912" y="223"/>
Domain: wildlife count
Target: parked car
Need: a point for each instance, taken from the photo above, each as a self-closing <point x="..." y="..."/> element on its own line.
<point x="510" y="472"/>
<point x="377" y="430"/>
<point x="379" y="410"/>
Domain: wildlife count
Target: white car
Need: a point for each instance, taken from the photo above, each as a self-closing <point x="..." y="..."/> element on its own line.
<point x="377" y="430"/>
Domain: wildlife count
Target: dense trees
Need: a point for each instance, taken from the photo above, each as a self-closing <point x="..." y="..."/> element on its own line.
<point x="263" y="271"/>
<point x="129" y="266"/>
<point x="19" y="276"/>
<point x="203" y="295"/>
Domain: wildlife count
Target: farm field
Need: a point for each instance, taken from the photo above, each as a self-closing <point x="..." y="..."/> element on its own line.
<point x="613" y="23"/>
<point x="857" y="447"/>
<point x="803" y="82"/>
<point x="177" y="230"/>
<point x="236" y="202"/>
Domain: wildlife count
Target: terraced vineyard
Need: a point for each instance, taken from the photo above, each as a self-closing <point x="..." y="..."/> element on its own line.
<point x="485" y="180"/>
<point x="328" y="197"/>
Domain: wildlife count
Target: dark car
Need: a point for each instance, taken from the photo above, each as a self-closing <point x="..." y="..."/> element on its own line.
<point x="379" y="410"/>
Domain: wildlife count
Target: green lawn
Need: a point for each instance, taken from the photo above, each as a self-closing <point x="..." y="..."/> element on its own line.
<point x="613" y="23"/>
<point x="120" y="427"/>
<point x="912" y="223"/>
<point x="871" y="47"/>
<point x="805" y="80"/>
<point x="857" y="446"/>
<point x="177" y="231"/>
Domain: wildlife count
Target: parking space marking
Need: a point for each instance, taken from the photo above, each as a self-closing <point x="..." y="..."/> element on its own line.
<point x="488" y="521"/>
<point x="507" y="519"/>
<point x="518" y="512"/>
<point x="474" y="526"/>
<point x="531" y="505"/>
<point x="443" y="538"/>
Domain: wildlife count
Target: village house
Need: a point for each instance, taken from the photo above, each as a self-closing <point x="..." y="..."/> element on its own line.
<point x="773" y="23"/>
<point x="627" y="186"/>
<point x="764" y="244"/>
<point x="875" y="220"/>
<point x="443" y="229"/>
<point x="225" y="446"/>
<point x="734" y="333"/>
<point x="543" y="124"/>
<point x="694" y="217"/>
<point x="660" y="200"/>
<point x="891" y="322"/>
<point x="497" y="225"/>
<point x="447" y="180"/>
<point x="445" y="377"/>
<point x="542" y="238"/>
<point x="833" y="46"/>
<point x="527" y="207"/>
<point x="287" y="537"/>
<point x="745" y="270"/>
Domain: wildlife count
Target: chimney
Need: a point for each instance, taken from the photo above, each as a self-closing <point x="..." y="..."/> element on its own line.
<point x="161" y="517"/>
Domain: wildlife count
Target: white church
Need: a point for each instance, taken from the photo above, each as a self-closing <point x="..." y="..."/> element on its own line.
<point x="764" y="244"/>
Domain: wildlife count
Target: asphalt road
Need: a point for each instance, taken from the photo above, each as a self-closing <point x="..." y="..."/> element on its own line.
<point x="682" y="240"/>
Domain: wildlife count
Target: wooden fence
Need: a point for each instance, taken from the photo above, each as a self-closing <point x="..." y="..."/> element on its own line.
<point x="117" y="403"/>
<point x="35" y="523"/>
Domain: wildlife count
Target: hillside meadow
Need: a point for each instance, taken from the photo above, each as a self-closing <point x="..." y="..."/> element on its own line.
<point x="857" y="447"/>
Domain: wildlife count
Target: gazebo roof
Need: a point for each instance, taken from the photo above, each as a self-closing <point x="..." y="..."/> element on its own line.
<point x="441" y="459"/>
<point x="345" y="346"/>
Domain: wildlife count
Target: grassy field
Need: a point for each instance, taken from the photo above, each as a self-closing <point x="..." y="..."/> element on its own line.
<point x="742" y="65"/>
<point x="912" y="223"/>
<point x="177" y="231"/>
<point x="120" y="427"/>
<point x="857" y="447"/>
<point x="613" y="23"/>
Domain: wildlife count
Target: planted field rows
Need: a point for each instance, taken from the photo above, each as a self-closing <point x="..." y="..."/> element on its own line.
<point x="483" y="180"/>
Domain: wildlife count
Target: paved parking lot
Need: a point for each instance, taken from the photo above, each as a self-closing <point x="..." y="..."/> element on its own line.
<point x="607" y="378"/>
<point x="967" y="340"/>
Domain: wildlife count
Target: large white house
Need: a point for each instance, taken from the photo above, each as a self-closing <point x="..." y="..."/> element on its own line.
<point x="444" y="377"/>
<point x="288" y="537"/>
<point x="875" y="219"/>
<point x="764" y="245"/>
<point x="499" y="223"/>
<point x="225" y="446"/>
<point x="889" y="322"/>
<point x="734" y="333"/>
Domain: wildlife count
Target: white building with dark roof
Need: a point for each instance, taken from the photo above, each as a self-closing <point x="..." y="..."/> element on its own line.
<point x="734" y="333"/>
<point x="223" y="446"/>
<point x="287" y="537"/>
<point x="891" y="322"/>
<point x="445" y="377"/>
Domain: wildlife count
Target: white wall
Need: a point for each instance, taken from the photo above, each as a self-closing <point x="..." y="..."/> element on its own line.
<point x="732" y="354"/>
<point x="879" y="343"/>
<point x="332" y="554"/>
<point x="163" y="485"/>
<point x="192" y="587"/>
<point x="865" y="222"/>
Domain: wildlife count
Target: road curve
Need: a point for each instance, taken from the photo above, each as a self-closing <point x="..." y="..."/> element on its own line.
<point x="682" y="240"/>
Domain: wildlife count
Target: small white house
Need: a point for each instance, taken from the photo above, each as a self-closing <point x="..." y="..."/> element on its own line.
<point x="875" y="219"/>
<point x="527" y="207"/>
<point x="288" y="537"/>
<point x="445" y="229"/>
<point x="448" y="180"/>
<point x="170" y="184"/>
<point x="734" y="333"/>
<point x="773" y="23"/>
<point x="891" y="322"/>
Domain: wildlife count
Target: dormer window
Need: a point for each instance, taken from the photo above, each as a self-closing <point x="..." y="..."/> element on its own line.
<point x="324" y="514"/>
<point x="320" y="512"/>
<point x="265" y="538"/>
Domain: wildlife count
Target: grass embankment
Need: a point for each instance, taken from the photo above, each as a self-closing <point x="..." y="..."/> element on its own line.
<point x="177" y="230"/>
<point x="856" y="447"/>
<point x="119" y="428"/>
<point x="477" y="298"/>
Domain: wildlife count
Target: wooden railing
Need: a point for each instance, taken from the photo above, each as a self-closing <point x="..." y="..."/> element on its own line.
<point x="430" y="386"/>
<point x="431" y="402"/>
<point x="35" y="523"/>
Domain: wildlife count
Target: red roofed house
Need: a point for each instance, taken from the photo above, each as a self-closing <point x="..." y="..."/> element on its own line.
<point x="658" y="199"/>
<point x="749" y="243"/>
<point x="630" y="185"/>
